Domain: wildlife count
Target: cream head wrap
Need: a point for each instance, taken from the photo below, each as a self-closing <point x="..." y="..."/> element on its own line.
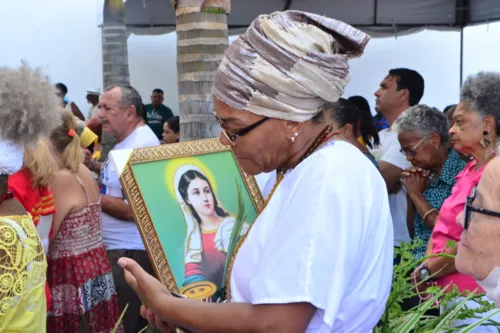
<point x="288" y="64"/>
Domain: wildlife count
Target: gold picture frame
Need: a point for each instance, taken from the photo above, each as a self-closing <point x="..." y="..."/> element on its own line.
<point x="135" y="185"/>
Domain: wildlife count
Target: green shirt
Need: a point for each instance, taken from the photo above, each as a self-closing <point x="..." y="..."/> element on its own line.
<point x="155" y="118"/>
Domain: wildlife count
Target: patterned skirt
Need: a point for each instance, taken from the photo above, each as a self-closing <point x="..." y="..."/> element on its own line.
<point x="84" y="299"/>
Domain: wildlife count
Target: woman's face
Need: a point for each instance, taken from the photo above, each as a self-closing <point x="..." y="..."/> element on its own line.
<point x="200" y="196"/>
<point x="263" y="149"/>
<point x="467" y="132"/>
<point x="169" y="136"/>
<point x="422" y="152"/>
<point x="479" y="246"/>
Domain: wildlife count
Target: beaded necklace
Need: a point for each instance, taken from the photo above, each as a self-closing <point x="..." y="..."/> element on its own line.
<point x="321" y="138"/>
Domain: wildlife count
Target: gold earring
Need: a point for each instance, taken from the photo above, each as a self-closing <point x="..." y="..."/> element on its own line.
<point x="485" y="142"/>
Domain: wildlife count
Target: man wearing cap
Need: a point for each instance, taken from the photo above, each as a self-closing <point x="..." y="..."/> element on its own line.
<point x="93" y="99"/>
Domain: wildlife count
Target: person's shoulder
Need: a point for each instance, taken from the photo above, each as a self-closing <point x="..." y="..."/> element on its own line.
<point x="84" y="172"/>
<point x="22" y="177"/>
<point x="145" y="137"/>
<point x="338" y="157"/>
<point x="469" y="173"/>
<point x="168" y="111"/>
<point x="63" y="178"/>
<point x="387" y="137"/>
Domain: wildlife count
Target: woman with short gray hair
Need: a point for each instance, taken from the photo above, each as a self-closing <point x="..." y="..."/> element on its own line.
<point x="423" y="135"/>
<point x="475" y="133"/>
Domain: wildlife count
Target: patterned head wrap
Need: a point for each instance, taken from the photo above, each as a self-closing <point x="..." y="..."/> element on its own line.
<point x="288" y="64"/>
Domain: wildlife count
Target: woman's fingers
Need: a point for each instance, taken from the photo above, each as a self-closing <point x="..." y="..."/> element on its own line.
<point x="133" y="273"/>
<point x="152" y="319"/>
<point x="144" y="312"/>
<point x="163" y="327"/>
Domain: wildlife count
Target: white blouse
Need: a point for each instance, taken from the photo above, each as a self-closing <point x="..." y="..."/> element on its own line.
<point x="325" y="238"/>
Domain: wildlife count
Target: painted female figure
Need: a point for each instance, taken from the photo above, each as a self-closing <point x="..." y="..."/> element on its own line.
<point x="209" y="227"/>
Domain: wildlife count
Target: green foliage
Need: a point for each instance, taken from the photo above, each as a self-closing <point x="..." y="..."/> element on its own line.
<point x="238" y="227"/>
<point x="396" y="320"/>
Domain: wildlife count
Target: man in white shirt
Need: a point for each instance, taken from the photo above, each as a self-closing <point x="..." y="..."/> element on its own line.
<point x="93" y="99"/>
<point x="399" y="90"/>
<point x="121" y="115"/>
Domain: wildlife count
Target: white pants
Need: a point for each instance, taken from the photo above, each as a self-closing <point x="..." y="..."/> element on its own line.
<point x="466" y="322"/>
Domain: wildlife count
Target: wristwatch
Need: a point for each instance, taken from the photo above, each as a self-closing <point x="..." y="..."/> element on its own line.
<point x="424" y="273"/>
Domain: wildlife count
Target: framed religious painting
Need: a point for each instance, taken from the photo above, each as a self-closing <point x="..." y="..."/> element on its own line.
<point x="192" y="204"/>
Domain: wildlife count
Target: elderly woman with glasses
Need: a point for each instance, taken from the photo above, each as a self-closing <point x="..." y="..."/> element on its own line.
<point x="423" y="135"/>
<point x="475" y="133"/>
<point x="314" y="260"/>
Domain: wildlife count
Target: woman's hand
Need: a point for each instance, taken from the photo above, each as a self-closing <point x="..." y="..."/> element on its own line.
<point x="156" y="322"/>
<point x="152" y="292"/>
<point x="419" y="285"/>
<point x="415" y="180"/>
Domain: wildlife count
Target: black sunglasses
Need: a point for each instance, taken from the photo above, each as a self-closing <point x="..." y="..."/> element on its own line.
<point x="469" y="209"/>
<point x="244" y="131"/>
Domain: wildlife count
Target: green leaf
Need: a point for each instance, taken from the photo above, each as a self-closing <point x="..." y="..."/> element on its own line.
<point x="479" y="322"/>
<point x="236" y="232"/>
<point x="120" y="319"/>
<point x="448" y="317"/>
<point x="411" y="323"/>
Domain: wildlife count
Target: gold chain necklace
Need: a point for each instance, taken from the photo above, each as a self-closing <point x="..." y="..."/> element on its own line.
<point x="322" y="137"/>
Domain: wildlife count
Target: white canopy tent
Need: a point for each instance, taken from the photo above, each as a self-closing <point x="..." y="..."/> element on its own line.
<point x="379" y="18"/>
<point x="392" y="15"/>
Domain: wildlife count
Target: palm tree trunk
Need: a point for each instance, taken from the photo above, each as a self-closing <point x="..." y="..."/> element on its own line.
<point x="114" y="55"/>
<point x="201" y="42"/>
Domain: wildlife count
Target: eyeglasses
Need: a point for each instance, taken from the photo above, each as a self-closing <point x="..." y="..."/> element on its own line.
<point x="469" y="209"/>
<point x="244" y="131"/>
<point x="412" y="151"/>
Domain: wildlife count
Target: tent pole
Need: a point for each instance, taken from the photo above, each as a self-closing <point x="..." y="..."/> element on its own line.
<point x="461" y="57"/>
<point x="462" y="18"/>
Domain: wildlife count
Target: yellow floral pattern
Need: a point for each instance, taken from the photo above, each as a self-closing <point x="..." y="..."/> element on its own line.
<point x="23" y="270"/>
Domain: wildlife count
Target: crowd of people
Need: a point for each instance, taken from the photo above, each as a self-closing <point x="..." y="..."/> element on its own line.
<point x="346" y="189"/>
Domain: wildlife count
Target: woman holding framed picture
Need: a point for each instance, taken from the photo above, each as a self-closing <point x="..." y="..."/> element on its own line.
<point x="319" y="256"/>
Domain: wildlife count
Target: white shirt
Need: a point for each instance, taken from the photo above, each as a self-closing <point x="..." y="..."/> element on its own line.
<point x="93" y="111"/>
<point x="325" y="238"/>
<point x="389" y="151"/>
<point x="119" y="234"/>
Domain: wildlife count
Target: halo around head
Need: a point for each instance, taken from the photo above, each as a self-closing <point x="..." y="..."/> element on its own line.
<point x="177" y="167"/>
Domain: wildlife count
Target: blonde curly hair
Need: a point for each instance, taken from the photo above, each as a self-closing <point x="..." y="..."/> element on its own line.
<point x="28" y="105"/>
